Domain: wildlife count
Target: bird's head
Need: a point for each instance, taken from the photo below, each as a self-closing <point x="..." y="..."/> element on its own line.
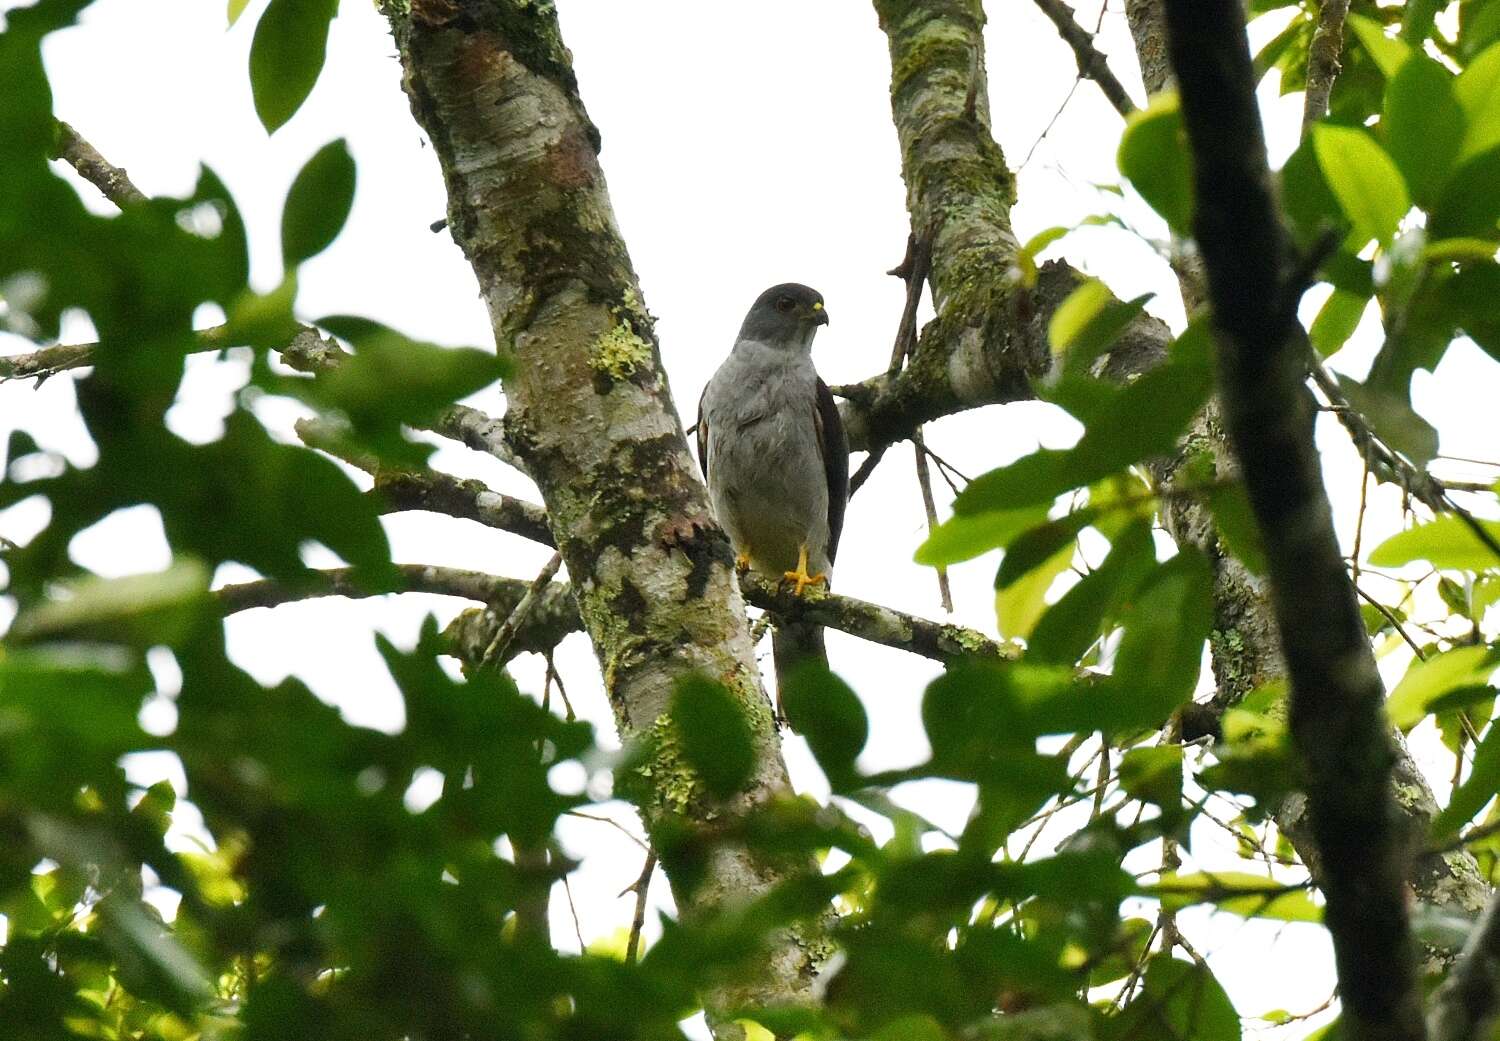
<point x="787" y="315"/>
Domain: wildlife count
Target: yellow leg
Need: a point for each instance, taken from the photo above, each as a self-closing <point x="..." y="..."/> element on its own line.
<point x="742" y="562"/>
<point x="801" y="577"/>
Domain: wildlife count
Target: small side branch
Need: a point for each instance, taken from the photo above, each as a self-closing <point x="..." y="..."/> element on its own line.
<point x="1091" y="61"/>
<point x="112" y="180"/>
<point x="411" y="578"/>
<point x="1323" y="61"/>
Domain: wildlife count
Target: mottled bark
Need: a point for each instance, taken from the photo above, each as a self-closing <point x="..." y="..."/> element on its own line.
<point x="989" y="339"/>
<point x="592" y="420"/>
<point x="471" y="632"/>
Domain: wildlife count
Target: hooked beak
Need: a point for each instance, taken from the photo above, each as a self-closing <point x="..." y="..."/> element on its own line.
<point x="820" y="315"/>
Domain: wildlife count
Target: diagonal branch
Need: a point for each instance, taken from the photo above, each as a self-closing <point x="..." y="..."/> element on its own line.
<point x="112" y="180"/>
<point x="1336" y="713"/>
<point x="1091" y="62"/>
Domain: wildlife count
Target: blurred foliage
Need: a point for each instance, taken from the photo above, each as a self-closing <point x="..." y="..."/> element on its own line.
<point x="325" y="907"/>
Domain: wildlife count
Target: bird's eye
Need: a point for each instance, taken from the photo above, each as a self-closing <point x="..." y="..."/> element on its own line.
<point x="785" y="305"/>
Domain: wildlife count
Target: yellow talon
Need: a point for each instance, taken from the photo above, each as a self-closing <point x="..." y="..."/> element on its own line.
<point x="801" y="577"/>
<point x="742" y="562"/>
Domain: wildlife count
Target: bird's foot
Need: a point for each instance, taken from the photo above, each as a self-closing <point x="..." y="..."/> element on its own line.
<point x="742" y="563"/>
<point x="801" y="577"/>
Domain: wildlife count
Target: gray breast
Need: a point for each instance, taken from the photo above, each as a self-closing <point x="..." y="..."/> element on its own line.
<point x="766" y="476"/>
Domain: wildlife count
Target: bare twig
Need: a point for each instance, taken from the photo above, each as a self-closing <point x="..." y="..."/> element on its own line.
<point x="112" y="180"/>
<point x="641" y="887"/>
<point x="924" y="483"/>
<point x="507" y="632"/>
<point x="1390" y="616"/>
<point x="1091" y="62"/>
<point x="1385" y="460"/>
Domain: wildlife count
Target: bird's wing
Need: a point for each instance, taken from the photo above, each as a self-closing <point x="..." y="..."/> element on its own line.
<point x="833" y="446"/>
<point x="702" y="436"/>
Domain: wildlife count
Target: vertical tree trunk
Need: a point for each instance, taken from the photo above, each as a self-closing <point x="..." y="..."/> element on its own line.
<point x="591" y="417"/>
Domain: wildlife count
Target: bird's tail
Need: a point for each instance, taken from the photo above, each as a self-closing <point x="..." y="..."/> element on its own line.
<point x="793" y="644"/>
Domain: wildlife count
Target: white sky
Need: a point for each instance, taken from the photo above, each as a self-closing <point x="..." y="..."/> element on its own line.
<point x="744" y="145"/>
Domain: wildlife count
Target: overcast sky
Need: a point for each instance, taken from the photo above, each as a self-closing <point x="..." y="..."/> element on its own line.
<point x="745" y="145"/>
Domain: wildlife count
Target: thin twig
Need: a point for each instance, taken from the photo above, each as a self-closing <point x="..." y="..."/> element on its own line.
<point x="577" y="926"/>
<point x="924" y="482"/>
<point x="641" y="886"/>
<point x="1359" y="523"/>
<point x="512" y="624"/>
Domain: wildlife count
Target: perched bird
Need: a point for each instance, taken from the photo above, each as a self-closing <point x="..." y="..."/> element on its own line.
<point x="775" y="456"/>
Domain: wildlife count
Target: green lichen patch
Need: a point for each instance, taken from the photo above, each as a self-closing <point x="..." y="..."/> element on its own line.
<point x="619" y="353"/>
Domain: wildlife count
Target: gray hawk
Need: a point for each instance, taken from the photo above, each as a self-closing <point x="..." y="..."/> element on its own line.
<point x="775" y="456"/>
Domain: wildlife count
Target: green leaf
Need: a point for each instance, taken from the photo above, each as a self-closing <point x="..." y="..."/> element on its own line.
<point x="1363" y="178"/>
<point x="161" y="607"/>
<point x="1445" y="542"/>
<point x="392" y="380"/>
<point x="1026" y="257"/>
<point x="825" y="710"/>
<point x="1237" y="528"/>
<point x="1130" y="423"/>
<point x="235" y="9"/>
<point x="1088" y="322"/>
<point x="1154" y="155"/>
<point x="1478" y="92"/>
<point x="286" y="56"/>
<point x="1424" y="126"/>
<point x="1336" y="321"/>
<point x="1071" y="625"/>
<point x="1390" y="54"/>
<point x="1394" y="420"/>
<point x="318" y="203"/>
<point x="1239" y="892"/>
<point x="963" y="537"/>
<point x="1154" y="775"/>
<point x="1470" y="204"/>
<point x="1427" y="681"/>
<point x="1039" y="544"/>
<point x="1475" y="792"/>
<point x="1156" y="666"/>
<point x="716" y="738"/>
<point x="1180" y="1001"/>
<point x="1020" y="604"/>
<point x="1478" y="26"/>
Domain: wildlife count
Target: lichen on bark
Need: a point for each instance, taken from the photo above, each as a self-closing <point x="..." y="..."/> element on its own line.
<point x="590" y="415"/>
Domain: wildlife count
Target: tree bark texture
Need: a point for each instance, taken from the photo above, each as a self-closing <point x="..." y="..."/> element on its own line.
<point x="593" y="423"/>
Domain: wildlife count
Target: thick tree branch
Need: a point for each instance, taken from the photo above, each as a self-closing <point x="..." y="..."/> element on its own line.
<point x="467" y="499"/>
<point x="1091" y="62"/>
<point x="592" y="419"/>
<point x="989" y="339"/>
<point x="113" y="181"/>
<point x="1466" y="1001"/>
<point x="432" y="490"/>
<point x="1336" y="717"/>
<point x="473" y="632"/>
<point x="413" y="578"/>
